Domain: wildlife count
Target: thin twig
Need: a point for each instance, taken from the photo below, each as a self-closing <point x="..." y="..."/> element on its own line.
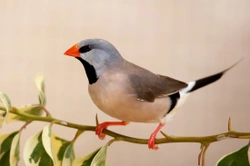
<point x="200" y="154"/>
<point x="25" y="125"/>
<point x="117" y="136"/>
<point x="229" y="126"/>
<point x="78" y="133"/>
<point x="45" y="110"/>
<point x="204" y="153"/>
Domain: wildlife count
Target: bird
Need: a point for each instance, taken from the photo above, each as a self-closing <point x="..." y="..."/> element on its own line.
<point x="128" y="92"/>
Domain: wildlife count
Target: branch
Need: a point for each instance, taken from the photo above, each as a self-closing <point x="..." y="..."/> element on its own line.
<point x="120" y="137"/>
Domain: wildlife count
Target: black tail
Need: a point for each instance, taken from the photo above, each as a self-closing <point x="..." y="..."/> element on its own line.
<point x="207" y="80"/>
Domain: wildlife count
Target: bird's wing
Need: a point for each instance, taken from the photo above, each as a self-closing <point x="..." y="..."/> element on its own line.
<point x="148" y="86"/>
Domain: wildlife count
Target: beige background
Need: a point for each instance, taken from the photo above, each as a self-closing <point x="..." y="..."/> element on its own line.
<point x="183" y="39"/>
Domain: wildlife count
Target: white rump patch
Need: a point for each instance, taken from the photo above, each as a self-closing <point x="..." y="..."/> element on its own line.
<point x="188" y="88"/>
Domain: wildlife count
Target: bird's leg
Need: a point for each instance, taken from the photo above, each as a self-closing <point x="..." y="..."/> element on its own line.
<point x="151" y="140"/>
<point x="105" y="125"/>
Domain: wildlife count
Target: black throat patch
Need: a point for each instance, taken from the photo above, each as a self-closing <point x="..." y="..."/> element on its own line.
<point x="90" y="71"/>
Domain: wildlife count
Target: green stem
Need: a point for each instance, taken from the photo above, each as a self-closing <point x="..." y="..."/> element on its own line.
<point x="117" y="136"/>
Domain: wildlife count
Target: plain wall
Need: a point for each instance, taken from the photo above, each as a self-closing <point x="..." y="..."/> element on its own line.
<point x="182" y="39"/>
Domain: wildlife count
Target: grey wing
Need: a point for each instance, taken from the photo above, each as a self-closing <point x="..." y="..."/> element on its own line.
<point x="148" y="86"/>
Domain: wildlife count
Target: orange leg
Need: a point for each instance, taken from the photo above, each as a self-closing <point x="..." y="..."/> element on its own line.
<point x="151" y="140"/>
<point x="105" y="125"/>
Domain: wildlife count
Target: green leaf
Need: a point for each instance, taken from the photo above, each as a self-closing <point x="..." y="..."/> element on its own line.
<point x="39" y="81"/>
<point x="87" y="160"/>
<point x="96" y="158"/>
<point x="6" y="101"/>
<point x="49" y="147"/>
<point x="15" y="150"/>
<point x="7" y="104"/>
<point x="46" y="140"/>
<point x="2" y="117"/>
<point x="33" y="109"/>
<point x="238" y="158"/>
<point x="9" y="148"/>
<point x="69" y="155"/>
<point x="35" y="152"/>
<point x="63" y="151"/>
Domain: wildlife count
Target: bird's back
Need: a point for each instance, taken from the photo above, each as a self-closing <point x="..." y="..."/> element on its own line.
<point x="149" y="86"/>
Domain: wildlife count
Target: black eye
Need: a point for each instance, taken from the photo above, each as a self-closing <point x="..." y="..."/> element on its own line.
<point x="85" y="49"/>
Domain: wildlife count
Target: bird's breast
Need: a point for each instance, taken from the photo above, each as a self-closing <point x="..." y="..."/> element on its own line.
<point x="113" y="95"/>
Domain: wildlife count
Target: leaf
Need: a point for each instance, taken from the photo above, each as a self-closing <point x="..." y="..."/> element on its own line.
<point x="15" y="150"/>
<point x="86" y="161"/>
<point x="248" y="153"/>
<point x="33" y="109"/>
<point x="69" y="155"/>
<point x="35" y="153"/>
<point x="2" y="116"/>
<point x="39" y="81"/>
<point x="63" y="151"/>
<point x="9" y="148"/>
<point x="7" y="104"/>
<point x="6" y="101"/>
<point x="47" y="146"/>
<point x="46" y="140"/>
<point x="96" y="158"/>
<point x="237" y="158"/>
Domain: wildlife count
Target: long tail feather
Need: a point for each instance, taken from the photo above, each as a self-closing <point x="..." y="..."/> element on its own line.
<point x="194" y="85"/>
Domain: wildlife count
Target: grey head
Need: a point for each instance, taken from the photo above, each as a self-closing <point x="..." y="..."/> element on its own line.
<point x="97" y="55"/>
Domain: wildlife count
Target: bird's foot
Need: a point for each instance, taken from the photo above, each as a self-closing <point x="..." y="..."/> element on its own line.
<point x="100" y="127"/>
<point x="151" y="142"/>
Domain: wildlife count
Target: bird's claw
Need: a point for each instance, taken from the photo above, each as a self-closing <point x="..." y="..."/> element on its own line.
<point x="99" y="129"/>
<point x="151" y="143"/>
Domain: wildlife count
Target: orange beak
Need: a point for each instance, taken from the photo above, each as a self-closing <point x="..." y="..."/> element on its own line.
<point x="73" y="51"/>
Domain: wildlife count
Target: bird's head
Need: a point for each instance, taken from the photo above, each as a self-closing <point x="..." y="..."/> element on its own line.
<point x="96" y="55"/>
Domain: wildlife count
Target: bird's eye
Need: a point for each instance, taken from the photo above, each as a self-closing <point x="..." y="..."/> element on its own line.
<point x="85" y="49"/>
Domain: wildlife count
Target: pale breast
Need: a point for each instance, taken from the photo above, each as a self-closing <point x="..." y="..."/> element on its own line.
<point x="112" y="94"/>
